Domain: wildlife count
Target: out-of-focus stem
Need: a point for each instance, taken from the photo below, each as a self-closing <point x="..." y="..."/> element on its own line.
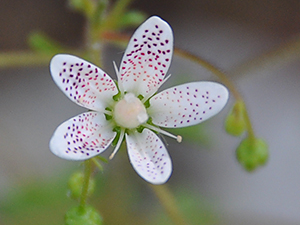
<point x="221" y="75"/>
<point x="280" y="55"/>
<point x="114" y="15"/>
<point x="249" y="126"/>
<point x="23" y="59"/>
<point x="94" y="45"/>
<point x="97" y="163"/>
<point x="169" y="203"/>
<point x="86" y="182"/>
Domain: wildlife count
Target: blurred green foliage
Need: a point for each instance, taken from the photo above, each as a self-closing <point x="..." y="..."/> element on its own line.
<point x="35" y="202"/>
<point x="86" y="216"/>
<point x="41" y="43"/>
<point x="196" y="209"/>
<point x="121" y="197"/>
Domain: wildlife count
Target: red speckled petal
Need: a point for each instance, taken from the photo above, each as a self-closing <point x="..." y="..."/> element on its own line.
<point x="82" y="137"/>
<point x="187" y="104"/>
<point x="147" y="57"/>
<point x="149" y="157"/>
<point x="83" y="82"/>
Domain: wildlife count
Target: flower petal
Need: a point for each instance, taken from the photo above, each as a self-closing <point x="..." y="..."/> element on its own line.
<point x="82" y="137"/>
<point x="187" y="104"/>
<point x="149" y="156"/>
<point x="84" y="83"/>
<point x="147" y="58"/>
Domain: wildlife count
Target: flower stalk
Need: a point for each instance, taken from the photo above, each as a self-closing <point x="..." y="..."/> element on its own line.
<point x="222" y="76"/>
<point x="85" y="186"/>
<point x="167" y="200"/>
<point x="249" y="126"/>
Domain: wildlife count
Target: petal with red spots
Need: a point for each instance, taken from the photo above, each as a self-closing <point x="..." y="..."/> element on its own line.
<point x="187" y="104"/>
<point x="147" y="57"/>
<point x="84" y="83"/>
<point x="149" y="156"/>
<point x="82" y="137"/>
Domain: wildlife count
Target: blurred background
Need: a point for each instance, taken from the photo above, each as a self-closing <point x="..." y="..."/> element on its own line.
<point x="230" y="34"/>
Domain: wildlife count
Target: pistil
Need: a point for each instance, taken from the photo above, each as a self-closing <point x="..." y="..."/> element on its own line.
<point x="130" y="112"/>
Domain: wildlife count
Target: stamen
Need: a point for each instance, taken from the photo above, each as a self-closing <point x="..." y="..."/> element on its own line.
<point x="116" y="69"/>
<point x="122" y="133"/>
<point x="119" y="77"/>
<point x="153" y="91"/>
<point x="104" y="111"/>
<point x="178" y="137"/>
<point x="107" y="112"/>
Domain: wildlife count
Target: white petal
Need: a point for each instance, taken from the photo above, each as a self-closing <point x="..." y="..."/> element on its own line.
<point x="82" y="137"/>
<point x="147" y="57"/>
<point x="187" y="104"/>
<point x="84" y="83"/>
<point x="149" y="156"/>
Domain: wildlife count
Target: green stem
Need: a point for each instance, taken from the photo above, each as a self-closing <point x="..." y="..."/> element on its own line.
<point x="27" y="58"/>
<point x="115" y="15"/>
<point x="85" y="186"/>
<point x="280" y="55"/>
<point x="224" y="79"/>
<point x="94" y="45"/>
<point x="97" y="164"/>
<point x="17" y="59"/>
<point x="169" y="203"/>
<point x="221" y="75"/>
<point x="94" y="50"/>
<point x="249" y="126"/>
<point x="93" y="32"/>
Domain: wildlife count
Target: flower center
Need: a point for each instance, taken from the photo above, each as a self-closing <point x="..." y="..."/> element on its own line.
<point x="130" y="112"/>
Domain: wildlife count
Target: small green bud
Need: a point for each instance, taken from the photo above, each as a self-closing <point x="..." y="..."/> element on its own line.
<point x="252" y="153"/>
<point x="235" y="123"/>
<point x="83" y="216"/>
<point x="75" y="184"/>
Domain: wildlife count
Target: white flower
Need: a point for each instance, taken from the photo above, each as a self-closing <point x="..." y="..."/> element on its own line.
<point x="130" y="107"/>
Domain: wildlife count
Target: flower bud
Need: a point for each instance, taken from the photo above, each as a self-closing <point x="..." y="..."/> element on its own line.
<point x="251" y="153"/>
<point x="86" y="216"/>
<point x="75" y="184"/>
<point x="235" y="123"/>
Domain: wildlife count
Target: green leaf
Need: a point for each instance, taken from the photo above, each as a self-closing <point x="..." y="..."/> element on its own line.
<point x="132" y="19"/>
<point x="86" y="7"/>
<point x="43" y="44"/>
